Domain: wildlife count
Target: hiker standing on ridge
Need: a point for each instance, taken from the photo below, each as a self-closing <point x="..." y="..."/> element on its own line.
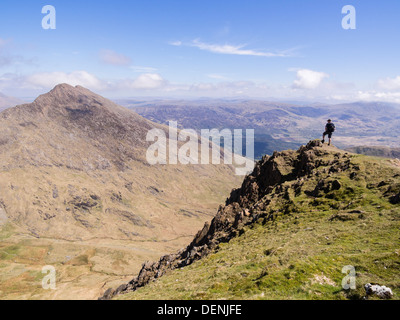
<point x="329" y="130"/>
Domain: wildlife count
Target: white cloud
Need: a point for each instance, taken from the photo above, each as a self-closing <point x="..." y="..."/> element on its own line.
<point x="145" y="81"/>
<point x="175" y="43"/>
<point x="114" y="58"/>
<point x="229" y="49"/>
<point x="312" y="85"/>
<point x="51" y="79"/>
<point x="309" y="79"/>
<point x="217" y="76"/>
<point x="390" y="83"/>
<point x="233" y="50"/>
<point x="141" y="69"/>
<point x="39" y="82"/>
<point x="374" y="96"/>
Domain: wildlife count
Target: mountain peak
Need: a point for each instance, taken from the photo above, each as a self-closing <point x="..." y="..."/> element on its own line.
<point x="65" y="93"/>
<point x="67" y="88"/>
<point x="68" y="112"/>
<point x="66" y="102"/>
<point x="63" y="86"/>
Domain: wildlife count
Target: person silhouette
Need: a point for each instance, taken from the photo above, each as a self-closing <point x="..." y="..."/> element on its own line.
<point x="329" y="130"/>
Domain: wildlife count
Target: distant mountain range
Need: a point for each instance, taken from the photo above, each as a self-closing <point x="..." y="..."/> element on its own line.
<point x="280" y="126"/>
<point x="7" y="102"/>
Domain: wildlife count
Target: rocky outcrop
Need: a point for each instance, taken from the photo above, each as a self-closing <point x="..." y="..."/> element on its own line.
<point x="240" y="209"/>
<point x="381" y="292"/>
<point x="275" y="178"/>
<point x="395" y="199"/>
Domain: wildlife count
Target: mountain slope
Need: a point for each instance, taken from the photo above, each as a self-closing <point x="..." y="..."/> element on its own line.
<point x="376" y="151"/>
<point x="287" y="233"/>
<point x="75" y="182"/>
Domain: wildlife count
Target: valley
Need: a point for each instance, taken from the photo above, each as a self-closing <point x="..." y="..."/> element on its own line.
<point x="77" y="193"/>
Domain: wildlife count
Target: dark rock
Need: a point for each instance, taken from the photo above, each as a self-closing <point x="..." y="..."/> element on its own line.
<point x="133" y="218"/>
<point x="336" y="185"/>
<point x="347" y="216"/>
<point x="154" y="190"/>
<point x="200" y="237"/>
<point x="116" y="197"/>
<point x="83" y="202"/>
<point x="108" y="295"/>
<point x="382" y="184"/>
<point x="55" y="192"/>
<point x="129" y="186"/>
<point x="395" y="199"/>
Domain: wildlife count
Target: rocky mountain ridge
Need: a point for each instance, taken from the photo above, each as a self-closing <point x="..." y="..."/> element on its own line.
<point x="279" y="179"/>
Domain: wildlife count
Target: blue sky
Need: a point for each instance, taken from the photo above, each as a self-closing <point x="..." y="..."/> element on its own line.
<point x="288" y="50"/>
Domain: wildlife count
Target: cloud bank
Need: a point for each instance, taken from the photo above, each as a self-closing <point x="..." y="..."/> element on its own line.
<point x="308" y="85"/>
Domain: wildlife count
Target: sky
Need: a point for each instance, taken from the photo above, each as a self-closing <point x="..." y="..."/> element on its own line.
<point x="286" y="50"/>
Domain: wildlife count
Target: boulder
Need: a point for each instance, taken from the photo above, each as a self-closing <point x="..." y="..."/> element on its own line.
<point x="395" y="199"/>
<point x="382" y="292"/>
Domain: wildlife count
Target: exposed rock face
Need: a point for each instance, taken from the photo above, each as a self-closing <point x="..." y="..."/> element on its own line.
<point x="244" y="206"/>
<point x="382" y="292"/>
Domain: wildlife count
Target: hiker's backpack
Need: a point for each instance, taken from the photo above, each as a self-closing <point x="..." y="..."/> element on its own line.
<point x="331" y="127"/>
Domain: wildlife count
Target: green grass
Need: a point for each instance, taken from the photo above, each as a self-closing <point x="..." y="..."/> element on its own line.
<point x="6" y="231"/>
<point x="301" y="253"/>
<point x="9" y="252"/>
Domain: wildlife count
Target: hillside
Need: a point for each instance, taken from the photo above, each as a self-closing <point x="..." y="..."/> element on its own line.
<point x="280" y="126"/>
<point x="77" y="192"/>
<point x="376" y="151"/>
<point x="287" y="233"/>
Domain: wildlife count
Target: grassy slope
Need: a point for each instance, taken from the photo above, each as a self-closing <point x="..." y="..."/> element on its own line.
<point x="85" y="266"/>
<point x="300" y="254"/>
<point x="376" y="151"/>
